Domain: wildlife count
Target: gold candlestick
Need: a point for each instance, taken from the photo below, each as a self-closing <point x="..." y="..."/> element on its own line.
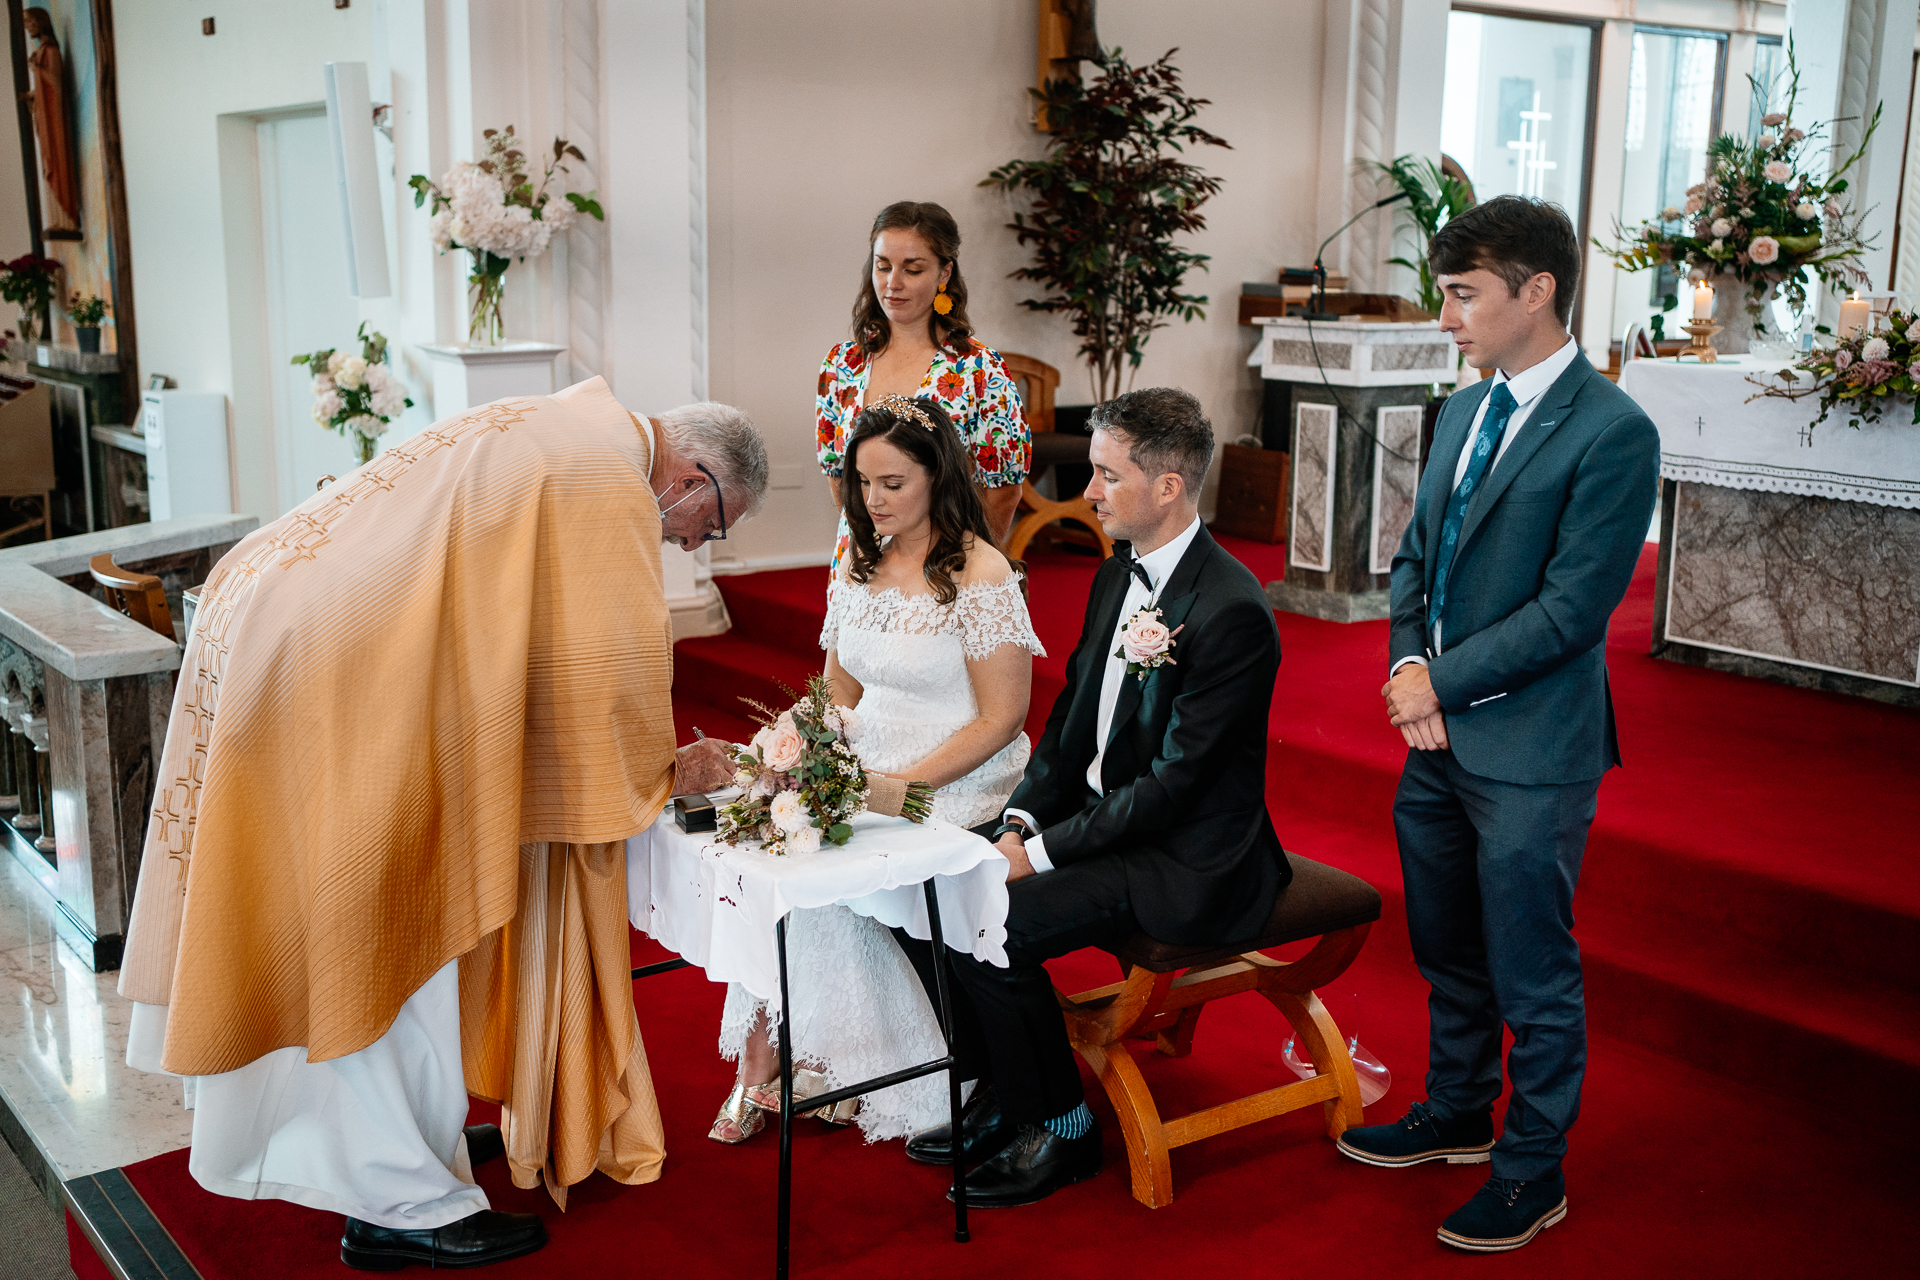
<point x="1699" y="333"/>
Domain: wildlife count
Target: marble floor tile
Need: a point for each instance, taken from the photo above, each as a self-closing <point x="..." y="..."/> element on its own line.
<point x="63" y="1045"/>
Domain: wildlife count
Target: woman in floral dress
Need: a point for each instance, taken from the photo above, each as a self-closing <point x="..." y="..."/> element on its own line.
<point x="911" y="337"/>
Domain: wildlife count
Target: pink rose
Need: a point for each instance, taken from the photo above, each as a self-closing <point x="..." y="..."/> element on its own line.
<point x="784" y="747"/>
<point x="1145" y="638"/>
<point x="1913" y="371"/>
<point x="1842" y="358"/>
<point x="1777" y="171"/>
<point x="1764" y="250"/>
<point x="1773" y="118"/>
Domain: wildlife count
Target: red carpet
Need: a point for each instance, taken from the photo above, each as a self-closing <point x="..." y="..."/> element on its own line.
<point x="1748" y="915"/>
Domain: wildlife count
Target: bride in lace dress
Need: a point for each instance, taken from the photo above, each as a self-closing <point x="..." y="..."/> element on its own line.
<point x="928" y="638"/>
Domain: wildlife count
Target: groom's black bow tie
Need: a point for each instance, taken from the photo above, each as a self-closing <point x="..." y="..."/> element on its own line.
<point x="1139" y="571"/>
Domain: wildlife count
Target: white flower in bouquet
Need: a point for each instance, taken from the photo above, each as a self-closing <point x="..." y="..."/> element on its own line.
<point x="1721" y="227"/>
<point x="322" y="383"/>
<point x="845" y="721"/>
<point x="440" y="230"/>
<point x="1764" y="250"/>
<point x="790" y="813"/>
<point x="761" y="785"/>
<point x="1875" y="349"/>
<point x="368" y="425"/>
<point x="1805" y="211"/>
<point x="1777" y="171"/>
<point x="1768" y="142"/>
<point x="352" y="373"/>
<point x="325" y="406"/>
<point x="1833" y="208"/>
<point x="744" y="778"/>
<point x="386" y="394"/>
<point x="1695" y="204"/>
<point x="805" y="840"/>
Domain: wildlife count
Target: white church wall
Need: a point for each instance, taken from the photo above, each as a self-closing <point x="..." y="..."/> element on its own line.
<point x="820" y="112"/>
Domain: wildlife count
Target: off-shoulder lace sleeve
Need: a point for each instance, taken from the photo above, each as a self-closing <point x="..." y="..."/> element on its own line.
<point x="993" y="614"/>
<point x="830" y="630"/>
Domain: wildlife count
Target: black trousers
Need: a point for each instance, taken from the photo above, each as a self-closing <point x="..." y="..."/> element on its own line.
<point x="1490" y="869"/>
<point x="1008" y="1027"/>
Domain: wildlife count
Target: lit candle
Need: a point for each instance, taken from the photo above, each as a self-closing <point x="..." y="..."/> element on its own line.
<point x="1703" y="301"/>
<point x="1855" y="313"/>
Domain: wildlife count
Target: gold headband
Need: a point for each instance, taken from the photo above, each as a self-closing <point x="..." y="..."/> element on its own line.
<point x="901" y="406"/>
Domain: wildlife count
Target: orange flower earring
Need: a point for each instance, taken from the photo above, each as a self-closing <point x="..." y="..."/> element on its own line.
<point x="941" y="302"/>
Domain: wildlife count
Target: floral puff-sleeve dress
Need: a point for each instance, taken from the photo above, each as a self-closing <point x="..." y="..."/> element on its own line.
<point x="972" y="385"/>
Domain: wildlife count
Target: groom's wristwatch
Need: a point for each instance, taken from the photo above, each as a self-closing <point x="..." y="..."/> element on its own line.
<point x="1014" y="825"/>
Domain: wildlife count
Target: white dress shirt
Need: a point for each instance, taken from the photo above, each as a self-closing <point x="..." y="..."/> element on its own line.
<point x="1526" y="387"/>
<point x="1159" y="564"/>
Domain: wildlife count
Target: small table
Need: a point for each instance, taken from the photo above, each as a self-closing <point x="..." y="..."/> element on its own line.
<point x="724" y="909"/>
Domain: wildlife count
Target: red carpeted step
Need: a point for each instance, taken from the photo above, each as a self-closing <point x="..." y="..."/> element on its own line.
<point x="784" y="607"/>
<point x="720" y="670"/>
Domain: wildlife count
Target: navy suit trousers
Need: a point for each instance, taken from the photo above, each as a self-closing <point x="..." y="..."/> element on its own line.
<point x="1490" y="869"/>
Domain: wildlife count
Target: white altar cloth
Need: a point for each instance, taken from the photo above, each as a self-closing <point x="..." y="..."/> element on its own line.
<point x="1710" y="435"/>
<point x="715" y="905"/>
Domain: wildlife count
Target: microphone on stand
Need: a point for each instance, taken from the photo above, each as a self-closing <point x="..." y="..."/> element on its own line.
<point x="1319" y="311"/>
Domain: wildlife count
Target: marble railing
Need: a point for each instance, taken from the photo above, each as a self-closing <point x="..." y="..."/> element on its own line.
<point x="85" y="693"/>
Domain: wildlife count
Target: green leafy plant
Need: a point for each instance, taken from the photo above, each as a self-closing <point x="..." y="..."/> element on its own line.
<point x="1107" y="202"/>
<point x="1434" y="197"/>
<point x="29" y="282"/>
<point x="85" y="310"/>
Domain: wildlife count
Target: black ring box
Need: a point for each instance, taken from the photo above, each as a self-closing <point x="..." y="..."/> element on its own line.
<point x="693" y="812"/>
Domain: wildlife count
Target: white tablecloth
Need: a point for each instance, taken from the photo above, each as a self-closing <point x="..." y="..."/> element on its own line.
<point x="715" y="905"/>
<point x="1708" y="434"/>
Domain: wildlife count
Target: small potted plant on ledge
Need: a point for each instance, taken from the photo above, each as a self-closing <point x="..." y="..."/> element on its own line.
<point x="28" y="283"/>
<point x="86" y="311"/>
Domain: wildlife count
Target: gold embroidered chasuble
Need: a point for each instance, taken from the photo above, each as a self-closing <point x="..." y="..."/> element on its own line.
<point x="416" y="719"/>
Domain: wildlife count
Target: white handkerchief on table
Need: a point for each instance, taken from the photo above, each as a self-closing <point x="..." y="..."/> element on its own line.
<point x="716" y="905"/>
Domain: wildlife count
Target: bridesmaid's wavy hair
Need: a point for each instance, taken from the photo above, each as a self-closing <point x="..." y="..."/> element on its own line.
<point x="936" y="226"/>
<point x="955" y="510"/>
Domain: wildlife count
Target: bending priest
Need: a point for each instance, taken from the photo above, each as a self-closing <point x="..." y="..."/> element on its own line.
<point x="417" y="719"/>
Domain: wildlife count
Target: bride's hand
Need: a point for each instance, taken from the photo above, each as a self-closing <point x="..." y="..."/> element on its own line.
<point x="706" y="765"/>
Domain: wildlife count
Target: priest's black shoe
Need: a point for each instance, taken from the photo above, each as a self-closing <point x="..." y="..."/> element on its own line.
<point x="1420" y="1135"/>
<point x="484" y="1142"/>
<point x="984" y="1128"/>
<point x="1037" y="1163"/>
<point x="473" y="1241"/>
<point x="1505" y="1214"/>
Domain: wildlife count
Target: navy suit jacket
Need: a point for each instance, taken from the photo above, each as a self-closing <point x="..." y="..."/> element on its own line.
<point x="1547" y="549"/>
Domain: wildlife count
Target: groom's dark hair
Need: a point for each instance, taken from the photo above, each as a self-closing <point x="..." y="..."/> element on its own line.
<point x="1164" y="430"/>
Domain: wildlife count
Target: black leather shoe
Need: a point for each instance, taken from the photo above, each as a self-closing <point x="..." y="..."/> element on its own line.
<point x="1032" y="1167"/>
<point x="984" y="1133"/>
<point x="474" y="1241"/>
<point x="484" y="1142"/>
<point x="1420" y="1135"/>
<point x="1504" y="1215"/>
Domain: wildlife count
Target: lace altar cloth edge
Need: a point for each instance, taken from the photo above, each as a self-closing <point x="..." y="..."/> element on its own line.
<point x="1709" y="435"/>
<point x="716" y="905"/>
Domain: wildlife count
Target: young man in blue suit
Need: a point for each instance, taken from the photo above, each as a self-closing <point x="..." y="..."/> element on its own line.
<point x="1529" y="520"/>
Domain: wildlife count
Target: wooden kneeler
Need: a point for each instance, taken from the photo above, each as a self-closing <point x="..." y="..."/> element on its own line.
<point x="1166" y="988"/>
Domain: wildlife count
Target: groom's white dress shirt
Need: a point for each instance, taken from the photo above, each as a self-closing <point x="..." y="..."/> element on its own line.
<point x="1159" y="564"/>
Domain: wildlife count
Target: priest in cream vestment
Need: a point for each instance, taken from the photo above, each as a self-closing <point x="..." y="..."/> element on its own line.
<point x="417" y="719"/>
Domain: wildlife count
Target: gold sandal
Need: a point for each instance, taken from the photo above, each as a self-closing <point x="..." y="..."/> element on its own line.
<point x="806" y="1083"/>
<point x="745" y="1118"/>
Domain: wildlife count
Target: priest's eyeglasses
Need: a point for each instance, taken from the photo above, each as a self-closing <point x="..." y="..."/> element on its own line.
<point x="720" y="506"/>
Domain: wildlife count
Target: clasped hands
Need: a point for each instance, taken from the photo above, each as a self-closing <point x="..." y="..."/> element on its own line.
<point x="1414" y="708"/>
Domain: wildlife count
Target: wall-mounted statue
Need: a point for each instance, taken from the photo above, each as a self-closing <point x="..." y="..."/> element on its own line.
<point x="53" y="129"/>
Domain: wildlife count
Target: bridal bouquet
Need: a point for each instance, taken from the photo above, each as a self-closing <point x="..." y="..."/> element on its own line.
<point x="1861" y="376"/>
<point x="1758" y="215"/>
<point x="358" y="396"/>
<point x="802" y="782"/>
<point x="493" y="209"/>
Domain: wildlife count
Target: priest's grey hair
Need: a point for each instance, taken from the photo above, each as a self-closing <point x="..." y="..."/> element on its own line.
<point x="723" y="438"/>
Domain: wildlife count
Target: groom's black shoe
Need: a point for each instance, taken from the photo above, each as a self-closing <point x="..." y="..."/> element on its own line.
<point x="984" y="1133"/>
<point x="1420" y="1136"/>
<point x="473" y="1241"/>
<point x="484" y="1142"/>
<point x="1037" y="1163"/>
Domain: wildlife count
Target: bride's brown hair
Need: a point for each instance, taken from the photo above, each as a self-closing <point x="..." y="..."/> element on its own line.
<point x="921" y="430"/>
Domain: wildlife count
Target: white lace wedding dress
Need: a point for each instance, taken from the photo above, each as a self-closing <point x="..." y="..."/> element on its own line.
<point x="858" y="1009"/>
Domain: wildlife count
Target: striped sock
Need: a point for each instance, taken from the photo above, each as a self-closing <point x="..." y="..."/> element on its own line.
<point x="1074" y="1124"/>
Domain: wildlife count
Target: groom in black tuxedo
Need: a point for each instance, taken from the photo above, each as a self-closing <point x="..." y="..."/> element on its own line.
<point x="1143" y="807"/>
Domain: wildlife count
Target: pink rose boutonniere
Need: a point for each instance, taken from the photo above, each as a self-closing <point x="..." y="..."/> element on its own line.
<point x="1146" y="643"/>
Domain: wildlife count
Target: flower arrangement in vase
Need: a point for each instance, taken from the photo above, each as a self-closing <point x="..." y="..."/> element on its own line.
<point x="492" y="209"/>
<point x="802" y="782"/>
<point x="1759" y="216"/>
<point x="86" y="312"/>
<point x="358" y="396"/>
<point x="28" y="282"/>
<point x="1862" y="375"/>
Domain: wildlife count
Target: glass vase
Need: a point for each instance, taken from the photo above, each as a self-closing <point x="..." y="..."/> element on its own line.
<point x="363" y="447"/>
<point x="486" y="289"/>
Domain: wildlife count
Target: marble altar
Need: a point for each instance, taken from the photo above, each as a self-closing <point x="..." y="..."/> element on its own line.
<point x="101" y="687"/>
<point x="1787" y="551"/>
<point x="1357" y="396"/>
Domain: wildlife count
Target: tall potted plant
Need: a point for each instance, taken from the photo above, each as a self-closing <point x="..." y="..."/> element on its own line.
<point x="1434" y="197"/>
<point x="1108" y="199"/>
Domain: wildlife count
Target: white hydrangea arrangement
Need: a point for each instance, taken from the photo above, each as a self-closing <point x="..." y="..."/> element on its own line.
<point x="358" y="396"/>
<point x="493" y="210"/>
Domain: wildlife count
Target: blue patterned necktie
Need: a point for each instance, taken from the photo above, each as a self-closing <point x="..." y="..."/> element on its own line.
<point x="1486" y="443"/>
